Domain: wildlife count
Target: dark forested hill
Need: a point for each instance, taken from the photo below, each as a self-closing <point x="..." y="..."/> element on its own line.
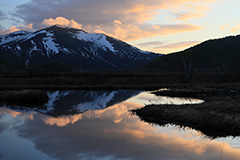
<point x="215" y="56"/>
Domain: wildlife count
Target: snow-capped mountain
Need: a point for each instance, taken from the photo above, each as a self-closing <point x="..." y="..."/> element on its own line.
<point x="72" y="47"/>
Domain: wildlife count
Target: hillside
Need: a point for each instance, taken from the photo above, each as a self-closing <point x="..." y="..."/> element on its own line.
<point x="212" y="56"/>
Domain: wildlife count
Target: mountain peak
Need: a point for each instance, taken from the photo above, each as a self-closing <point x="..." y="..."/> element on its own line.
<point x="73" y="47"/>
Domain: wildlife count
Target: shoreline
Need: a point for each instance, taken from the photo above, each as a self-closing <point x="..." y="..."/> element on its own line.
<point x="218" y="116"/>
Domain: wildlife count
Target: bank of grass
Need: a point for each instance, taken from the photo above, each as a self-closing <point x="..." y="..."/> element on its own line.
<point x="111" y="80"/>
<point x="192" y="92"/>
<point x="216" y="117"/>
<point x="27" y="98"/>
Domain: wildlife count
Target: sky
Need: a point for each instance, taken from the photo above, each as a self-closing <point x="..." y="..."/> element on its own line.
<point x="162" y="26"/>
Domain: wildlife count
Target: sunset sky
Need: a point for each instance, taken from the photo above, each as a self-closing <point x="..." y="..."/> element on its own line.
<point x="162" y="26"/>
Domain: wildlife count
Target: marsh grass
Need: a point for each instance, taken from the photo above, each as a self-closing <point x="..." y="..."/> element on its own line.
<point x="219" y="117"/>
<point x="193" y="92"/>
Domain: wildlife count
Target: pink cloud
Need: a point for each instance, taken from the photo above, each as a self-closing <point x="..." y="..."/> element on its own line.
<point x="62" y="21"/>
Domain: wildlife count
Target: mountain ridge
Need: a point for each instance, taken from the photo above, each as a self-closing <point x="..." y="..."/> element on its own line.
<point x="73" y="47"/>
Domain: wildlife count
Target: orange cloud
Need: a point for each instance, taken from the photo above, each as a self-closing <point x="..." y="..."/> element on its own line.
<point x="63" y="121"/>
<point x="10" y="30"/>
<point x="154" y="43"/>
<point x="26" y="27"/>
<point x="129" y="32"/>
<point x="196" y="7"/>
<point x="235" y="29"/>
<point x="15" y="114"/>
<point x="224" y="27"/>
<point x="184" y="16"/>
<point x="127" y="20"/>
<point x="61" y="21"/>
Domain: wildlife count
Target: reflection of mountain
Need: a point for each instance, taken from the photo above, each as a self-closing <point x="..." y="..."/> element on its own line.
<point x="103" y="134"/>
<point x="71" y="102"/>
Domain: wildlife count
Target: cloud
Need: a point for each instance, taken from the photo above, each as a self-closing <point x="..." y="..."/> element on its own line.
<point x="26" y="27"/>
<point x="153" y="43"/>
<point x="224" y="27"/>
<point x="175" y="46"/>
<point x="62" y="21"/>
<point x="184" y="16"/>
<point x="129" y="32"/>
<point x="10" y="30"/>
<point x="94" y="11"/>
<point x="2" y="15"/>
<point x="127" y="20"/>
<point x="123" y="31"/>
<point x="235" y="29"/>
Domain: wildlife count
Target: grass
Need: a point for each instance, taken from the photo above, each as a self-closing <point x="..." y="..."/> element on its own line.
<point x="218" y="116"/>
<point x="109" y="80"/>
<point x="28" y="98"/>
<point x="193" y="92"/>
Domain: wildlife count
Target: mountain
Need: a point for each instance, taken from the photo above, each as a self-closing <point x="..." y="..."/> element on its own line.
<point x="215" y="56"/>
<point x="56" y="46"/>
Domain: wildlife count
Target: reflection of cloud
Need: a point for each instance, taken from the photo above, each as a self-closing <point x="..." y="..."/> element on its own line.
<point x="16" y="114"/>
<point x="9" y="111"/>
<point x="97" y="136"/>
<point x="63" y="121"/>
<point x="116" y="112"/>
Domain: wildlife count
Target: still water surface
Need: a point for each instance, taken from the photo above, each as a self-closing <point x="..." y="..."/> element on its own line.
<point x="97" y="125"/>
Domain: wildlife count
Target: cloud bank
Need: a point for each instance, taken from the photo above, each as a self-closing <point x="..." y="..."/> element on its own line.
<point x="126" y="20"/>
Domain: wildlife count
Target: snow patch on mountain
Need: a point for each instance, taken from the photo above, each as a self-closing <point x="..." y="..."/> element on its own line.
<point x="53" y="97"/>
<point x="18" y="48"/>
<point x="15" y="36"/>
<point x="99" y="102"/>
<point x="50" y="46"/>
<point x="98" y="39"/>
<point x="31" y="35"/>
<point x="65" y="50"/>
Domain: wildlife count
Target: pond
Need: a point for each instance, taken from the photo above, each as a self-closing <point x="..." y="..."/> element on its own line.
<point x="98" y="125"/>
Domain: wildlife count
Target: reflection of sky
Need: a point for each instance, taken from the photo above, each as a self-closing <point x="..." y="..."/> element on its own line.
<point x="111" y="133"/>
<point x="148" y="98"/>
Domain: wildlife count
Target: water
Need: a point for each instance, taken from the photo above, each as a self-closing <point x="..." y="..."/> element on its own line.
<point x="108" y="131"/>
